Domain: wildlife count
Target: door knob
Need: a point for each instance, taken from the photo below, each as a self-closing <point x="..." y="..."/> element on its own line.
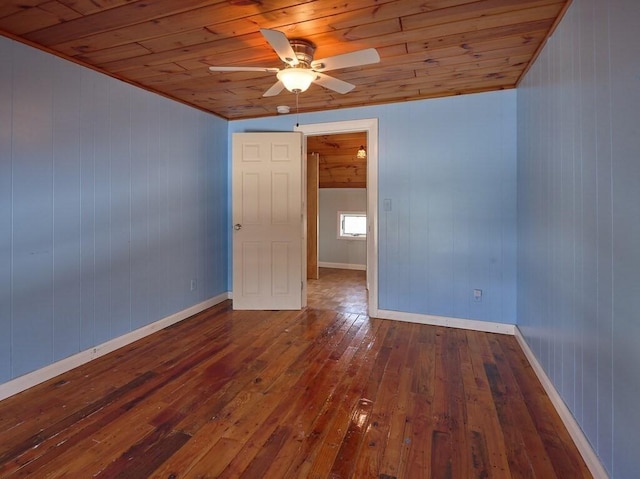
<point x="237" y="226"/>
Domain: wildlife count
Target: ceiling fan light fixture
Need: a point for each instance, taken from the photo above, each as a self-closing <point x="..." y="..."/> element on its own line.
<point x="296" y="80"/>
<point x="362" y="153"/>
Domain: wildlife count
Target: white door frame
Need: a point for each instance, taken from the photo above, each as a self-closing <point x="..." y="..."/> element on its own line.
<point x="370" y="126"/>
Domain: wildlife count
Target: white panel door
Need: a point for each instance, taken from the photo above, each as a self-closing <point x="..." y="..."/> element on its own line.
<point x="267" y="220"/>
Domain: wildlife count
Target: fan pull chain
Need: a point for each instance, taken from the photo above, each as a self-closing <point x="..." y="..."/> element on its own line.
<point x="297" y="110"/>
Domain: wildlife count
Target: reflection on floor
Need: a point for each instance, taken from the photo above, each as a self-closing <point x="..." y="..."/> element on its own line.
<point x="341" y="290"/>
<point x="294" y="394"/>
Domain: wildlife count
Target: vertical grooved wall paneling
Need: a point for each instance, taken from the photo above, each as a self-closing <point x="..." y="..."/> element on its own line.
<point x="112" y="201"/>
<point x="6" y="189"/>
<point x="579" y="221"/>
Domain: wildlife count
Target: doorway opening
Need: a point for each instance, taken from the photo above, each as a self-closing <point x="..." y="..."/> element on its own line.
<point x="336" y="222"/>
<point x="367" y="131"/>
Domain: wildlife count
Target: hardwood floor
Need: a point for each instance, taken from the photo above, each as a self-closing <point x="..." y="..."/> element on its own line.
<point x="317" y="393"/>
<point x="338" y="290"/>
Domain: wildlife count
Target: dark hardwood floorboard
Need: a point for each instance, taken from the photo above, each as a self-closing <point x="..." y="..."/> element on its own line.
<point x="322" y="393"/>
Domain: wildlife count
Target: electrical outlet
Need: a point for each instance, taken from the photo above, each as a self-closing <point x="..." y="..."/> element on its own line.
<point x="477" y="295"/>
<point x="194" y="285"/>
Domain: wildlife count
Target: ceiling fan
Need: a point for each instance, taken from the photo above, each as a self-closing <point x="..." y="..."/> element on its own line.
<point x="301" y="69"/>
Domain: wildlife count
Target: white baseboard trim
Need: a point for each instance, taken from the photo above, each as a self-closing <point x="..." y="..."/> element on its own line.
<point x="29" y="380"/>
<point x="575" y="431"/>
<point x="359" y="267"/>
<point x="473" y="324"/>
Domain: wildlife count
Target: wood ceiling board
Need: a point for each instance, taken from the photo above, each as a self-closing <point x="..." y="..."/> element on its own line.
<point x="474" y="24"/>
<point x="301" y="21"/>
<point x="167" y="73"/>
<point x="177" y="30"/>
<point x="10" y="7"/>
<point x="490" y="34"/>
<point x="251" y="43"/>
<point x="143" y="33"/>
<point x="88" y="7"/>
<point x="181" y="40"/>
<point x="446" y="37"/>
<point x="475" y="59"/>
<point x="128" y="14"/>
<point x="339" y="166"/>
<point x="494" y="40"/>
<point x="114" y="54"/>
<point x="60" y="10"/>
<point x="500" y="10"/>
<point x="331" y="145"/>
<point x="427" y="49"/>
<point x="25" y="20"/>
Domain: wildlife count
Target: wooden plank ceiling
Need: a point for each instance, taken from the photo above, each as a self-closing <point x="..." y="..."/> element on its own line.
<point x="339" y="165"/>
<point x="428" y="48"/>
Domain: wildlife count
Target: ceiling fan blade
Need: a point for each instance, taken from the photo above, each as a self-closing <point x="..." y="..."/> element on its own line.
<point x="334" y="84"/>
<point x="347" y="60"/>
<point x="244" y="69"/>
<point x="275" y="89"/>
<point x="281" y="45"/>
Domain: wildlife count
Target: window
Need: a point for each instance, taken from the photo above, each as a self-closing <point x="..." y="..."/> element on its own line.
<point x="352" y="225"/>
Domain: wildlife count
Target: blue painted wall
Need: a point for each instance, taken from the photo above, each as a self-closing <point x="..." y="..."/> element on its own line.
<point x="579" y="221"/>
<point x="112" y="200"/>
<point x="449" y="168"/>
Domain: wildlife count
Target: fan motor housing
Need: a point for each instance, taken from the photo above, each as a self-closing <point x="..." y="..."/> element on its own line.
<point x="304" y="51"/>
